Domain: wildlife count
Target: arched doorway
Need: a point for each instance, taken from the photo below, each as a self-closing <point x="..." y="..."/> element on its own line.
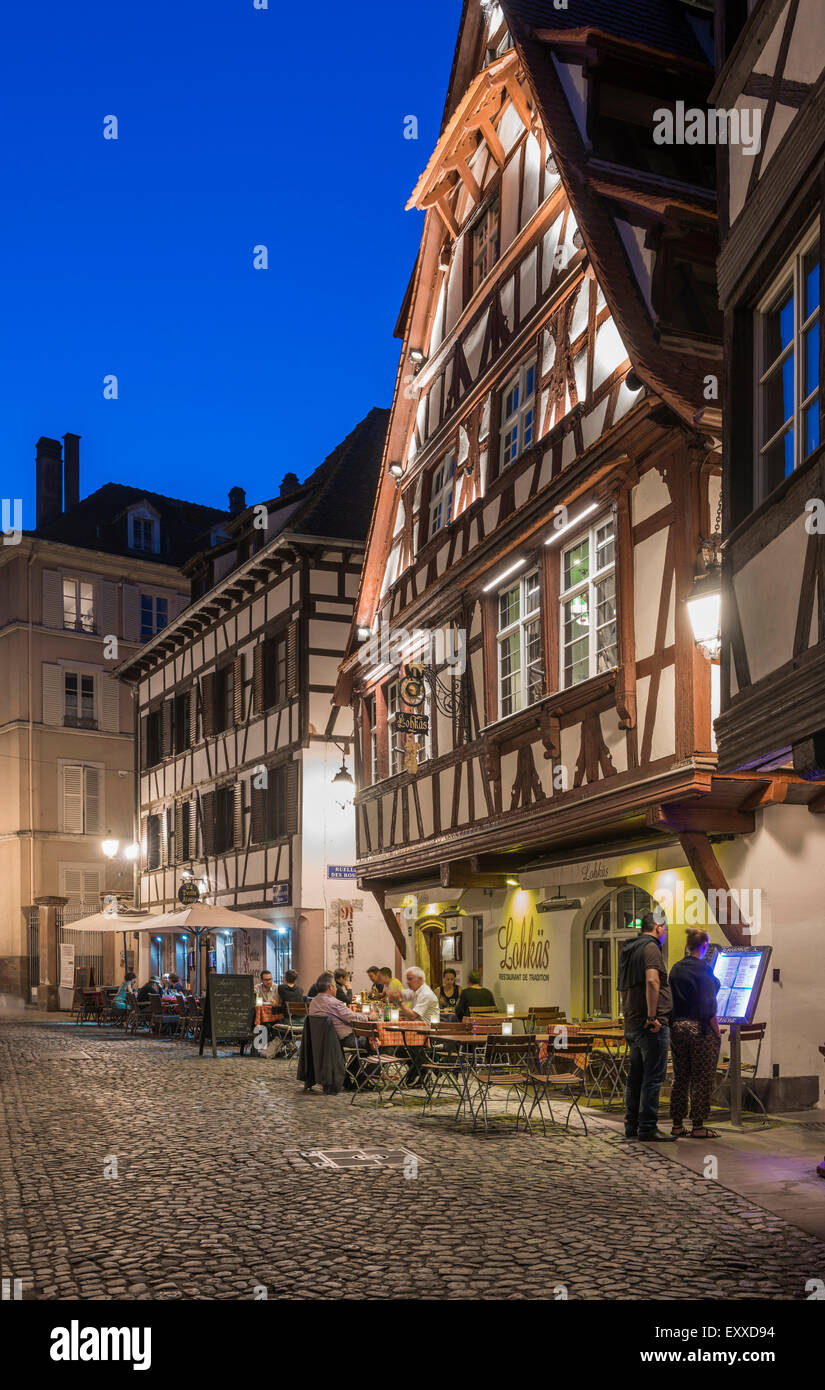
<point x="613" y="921"/>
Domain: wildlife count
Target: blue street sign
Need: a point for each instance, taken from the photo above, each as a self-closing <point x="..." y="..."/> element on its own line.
<point x="340" y="871"/>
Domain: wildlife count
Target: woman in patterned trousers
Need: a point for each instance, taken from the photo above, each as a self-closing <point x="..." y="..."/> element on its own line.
<point x="694" y="1038"/>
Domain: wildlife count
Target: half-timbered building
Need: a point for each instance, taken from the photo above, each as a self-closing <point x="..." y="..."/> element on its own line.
<point x="239" y="742"/>
<point x="549" y="488"/>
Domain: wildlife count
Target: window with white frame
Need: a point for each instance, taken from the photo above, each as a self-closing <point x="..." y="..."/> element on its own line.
<point x="485" y="238"/>
<point x="788" y="373"/>
<point x="372" y="739"/>
<point x="154" y="615"/>
<point x="143" y="532"/>
<point x="520" y="656"/>
<point x="78" y="698"/>
<point x="441" y="494"/>
<point x="518" y="412"/>
<point x="588" y="604"/>
<point x="81" y="792"/>
<point x="78" y="605"/>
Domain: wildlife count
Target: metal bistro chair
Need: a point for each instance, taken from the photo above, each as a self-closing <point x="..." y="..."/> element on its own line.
<point x="506" y="1066"/>
<point x="484" y="1009"/>
<point x="565" y="1074"/>
<point x="372" y="1066"/>
<point x="451" y="1065"/>
<point x="748" y="1033"/>
<point x="291" y="1029"/>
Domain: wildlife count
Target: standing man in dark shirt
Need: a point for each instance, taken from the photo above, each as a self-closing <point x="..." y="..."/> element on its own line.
<point x="647" y="1003"/>
<point x="475" y="996"/>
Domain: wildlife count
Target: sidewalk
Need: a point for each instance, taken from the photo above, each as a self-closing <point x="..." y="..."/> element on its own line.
<point x="774" y="1167"/>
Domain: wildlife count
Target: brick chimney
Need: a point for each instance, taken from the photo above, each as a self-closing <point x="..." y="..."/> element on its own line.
<point x="49" y="480"/>
<point x="237" y="500"/>
<point x="71" y="471"/>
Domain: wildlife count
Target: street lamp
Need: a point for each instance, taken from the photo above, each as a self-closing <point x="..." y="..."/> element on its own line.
<point x="704" y="602"/>
<point x="345" y="785"/>
<point x="110" y="848"/>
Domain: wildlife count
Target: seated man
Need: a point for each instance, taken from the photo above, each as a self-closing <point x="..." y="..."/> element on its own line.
<point x="387" y="981"/>
<point x="289" y="991"/>
<point x="267" y="992"/>
<point x="342" y="990"/>
<point x="146" y="991"/>
<point x="324" y="1004"/>
<point x="416" y="1001"/>
<point x="374" y="991"/>
<point x="475" y="996"/>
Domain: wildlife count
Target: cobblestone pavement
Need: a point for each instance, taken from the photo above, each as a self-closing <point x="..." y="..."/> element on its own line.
<point x="212" y="1198"/>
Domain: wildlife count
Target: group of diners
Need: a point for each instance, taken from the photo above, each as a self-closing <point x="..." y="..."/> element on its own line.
<point x="449" y="1001"/>
<point x="416" y="1003"/>
<point x="167" y="987"/>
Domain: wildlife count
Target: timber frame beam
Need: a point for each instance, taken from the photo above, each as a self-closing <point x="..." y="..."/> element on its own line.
<point x="708" y="874"/>
<point x="379" y="893"/>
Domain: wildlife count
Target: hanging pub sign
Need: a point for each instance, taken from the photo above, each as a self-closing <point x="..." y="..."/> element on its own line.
<point x="412" y="723"/>
<point x="229" y="1012"/>
<point x="412" y="686"/>
<point x="189" y="892"/>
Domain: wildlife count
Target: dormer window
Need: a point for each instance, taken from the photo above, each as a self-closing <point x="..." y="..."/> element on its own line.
<point x="144" y="531"/>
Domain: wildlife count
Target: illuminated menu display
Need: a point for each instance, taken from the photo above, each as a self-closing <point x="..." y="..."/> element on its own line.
<point x="739" y="973"/>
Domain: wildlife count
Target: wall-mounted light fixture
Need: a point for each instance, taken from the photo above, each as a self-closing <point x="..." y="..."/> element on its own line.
<point x="570" y="525"/>
<point x="505" y="574"/>
<point x="396" y="470"/>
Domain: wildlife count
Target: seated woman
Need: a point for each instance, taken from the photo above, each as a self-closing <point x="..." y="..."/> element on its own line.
<point x="123" y="998"/>
<point x="448" y="993"/>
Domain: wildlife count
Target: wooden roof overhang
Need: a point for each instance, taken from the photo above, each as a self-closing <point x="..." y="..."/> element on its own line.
<point x="475" y="116"/>
<point x="660" y="806"/>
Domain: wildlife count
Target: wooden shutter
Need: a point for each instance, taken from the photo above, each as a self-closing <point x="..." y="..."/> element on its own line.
<point x="131" y="613"/>
<point x="209" y="696"/>
<point x="73" y="800"/>
<point x="144" y="841"/>
<point x="52" y="693"/>
<point x="291" y="798"/>
<point x="258" y="677"/>
<point x="109" y="704"/>
<point x="237" y="688"/>
<point x="259" y="802"/>
<point x="165" y="847"/>
<point x="108" y="626"/>
<point x="73" y="883"/>
<point x="144" y="740"/>
<point x="208" y="822"/>
<point x="166" y="729"/>
<point x="93" y="788"/>
<point x="193" y="714"/>
<point x="292" y="661"/>
<point x="52" y="598"/>
<point x="237" y="815"/>
<point x="181" y="849"/>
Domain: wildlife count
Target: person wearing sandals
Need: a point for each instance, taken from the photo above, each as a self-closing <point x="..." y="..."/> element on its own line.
<point x="694" y="1038"/>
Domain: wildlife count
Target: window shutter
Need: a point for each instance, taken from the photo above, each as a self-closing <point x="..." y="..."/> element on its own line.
<point x="73" y="801"/>
<point x="109" y="704"/>
<point x="259" y="799"/>
<point x="131" y="613"/>
<point x="52" y="598"/>
<point x="92" y="817"/>
<point x="181" y="849"/>
<point x="73" y="883"/>
<point x="165" y="847"/>
<point x="166" y="729"/>
<point x="291" y="773"/>
<point x="258" y="677"/>
<point x="237" y="688"/>
<point x="208" y="692"/>
<point x="109" y="625"/>
<point x="292" y="661"/>
<point x="144" y="841"/>
<point x="144" y="739"/>
<point x="91" y="886"/>
<point x="193" y="714"/>
<point x="208" y="822"/>
<point x="52" y="693"/>
<point x="237" y="816"/>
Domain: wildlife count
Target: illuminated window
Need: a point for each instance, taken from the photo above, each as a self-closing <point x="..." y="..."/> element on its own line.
<point x="588" y="605"/>
<point x="79" y="696"/>
<point x="520" y="655"/>
<point x="441" y="494"/>
<point x="78" y="605"/>
<point x="615" y="920"/>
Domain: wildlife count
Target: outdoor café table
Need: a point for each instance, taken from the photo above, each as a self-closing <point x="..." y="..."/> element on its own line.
<point x="405" y="1033"/>
<point x="613" y="1050"/>
<point x="470" y="1045"/>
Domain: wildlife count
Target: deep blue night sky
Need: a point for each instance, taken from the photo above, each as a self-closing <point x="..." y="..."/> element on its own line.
<point x="237" y="127"/>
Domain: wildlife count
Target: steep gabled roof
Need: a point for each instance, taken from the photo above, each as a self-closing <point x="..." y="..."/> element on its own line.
<point x="668" y="26"/>
<point x="93" y="523"/>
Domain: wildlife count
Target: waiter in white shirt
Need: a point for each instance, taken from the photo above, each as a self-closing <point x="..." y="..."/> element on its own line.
<point x="417" y="1001"/>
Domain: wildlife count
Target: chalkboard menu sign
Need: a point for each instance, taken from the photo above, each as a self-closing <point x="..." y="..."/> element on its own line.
<point x="229" y="1013"/>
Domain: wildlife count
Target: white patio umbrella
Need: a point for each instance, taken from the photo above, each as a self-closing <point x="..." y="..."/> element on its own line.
<point x="123" y="920"/>
<point x="199" y="919"/>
